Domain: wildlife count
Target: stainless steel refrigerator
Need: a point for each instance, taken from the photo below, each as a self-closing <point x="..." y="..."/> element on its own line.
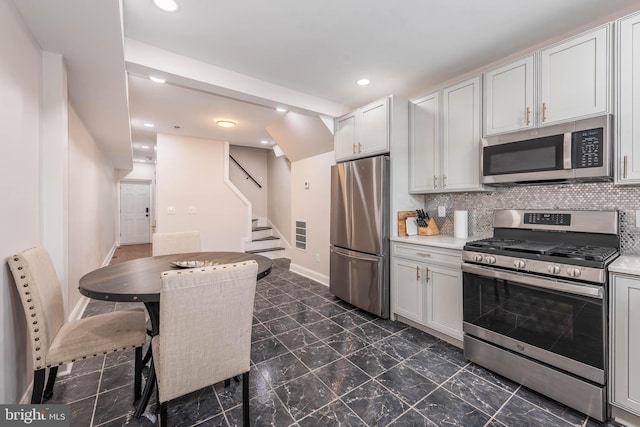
<point x="359" y="261"/>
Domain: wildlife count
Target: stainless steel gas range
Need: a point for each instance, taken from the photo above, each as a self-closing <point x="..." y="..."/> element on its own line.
<point x="535" y="306"/>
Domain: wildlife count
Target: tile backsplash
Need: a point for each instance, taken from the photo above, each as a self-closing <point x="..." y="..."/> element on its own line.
<point x="583" y="196"/>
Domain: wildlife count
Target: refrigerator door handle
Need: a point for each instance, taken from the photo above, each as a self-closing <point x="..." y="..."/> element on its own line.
<point x="355" y="255"/>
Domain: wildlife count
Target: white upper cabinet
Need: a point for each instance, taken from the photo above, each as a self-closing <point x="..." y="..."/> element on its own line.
<point x="628" y="96"/>
<point x="461" y="117"/>
<point x="508" y="97"/>
<point x="575" y="77"/>
<point x="444" y="139"/>
<point x="364" y="132"/>
<point x="424" y="143"/>
<point x="565" y="81"/>
<point x="345" y="136"/>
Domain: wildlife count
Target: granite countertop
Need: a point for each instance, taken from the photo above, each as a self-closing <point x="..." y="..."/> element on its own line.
<point x="439" y="240"/>
<point x="627" y="264"/>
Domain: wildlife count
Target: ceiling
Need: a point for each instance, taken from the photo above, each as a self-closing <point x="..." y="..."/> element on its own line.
<point x="241" y="59"/>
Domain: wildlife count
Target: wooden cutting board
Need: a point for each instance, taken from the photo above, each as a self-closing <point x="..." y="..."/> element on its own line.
<point x="402" y="225"/>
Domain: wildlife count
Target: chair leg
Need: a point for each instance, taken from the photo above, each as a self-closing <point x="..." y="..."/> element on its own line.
<point x="48" y="391"/>
<point x="137" y="376"/>
<point x="38" y="386"/>
<point x="245" y="399"/>
<point x="163" y="414"/>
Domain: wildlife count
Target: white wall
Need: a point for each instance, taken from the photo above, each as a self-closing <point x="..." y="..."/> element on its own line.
<point x="92" y="206"/>
<point x="20" y="63"/>
<point x="312" y="205"/>
<point x="279" y="203"/>
<point x="254" y="161"/>
<point x="194" y="172"/>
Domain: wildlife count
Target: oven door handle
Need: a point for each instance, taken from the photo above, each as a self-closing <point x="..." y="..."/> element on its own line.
<point x="584" y="290"/>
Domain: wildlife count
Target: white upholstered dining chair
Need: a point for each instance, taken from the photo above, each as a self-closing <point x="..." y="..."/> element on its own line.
<point x="205" y="330"/>
<point x="55" y="342"/>
<point x="175" y="243"/>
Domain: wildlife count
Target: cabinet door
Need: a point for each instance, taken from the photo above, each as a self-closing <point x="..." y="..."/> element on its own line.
<point x="625" y="337"/>
<point x="461" y="136"/>
<point x="408" y="289"/>
<point x="508" y="97"/>
<point x="424" y="140"/>
<point x="628" y="90"/>
<point x="444" y="300"/>
<point x="374" y="128"/>
<point x="345" y="137"/>
<point x="574" y="77"/>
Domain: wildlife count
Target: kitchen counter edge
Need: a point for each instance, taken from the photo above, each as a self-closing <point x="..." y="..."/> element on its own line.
<point x="626" y="264"/>
<point x="439" y="241"/>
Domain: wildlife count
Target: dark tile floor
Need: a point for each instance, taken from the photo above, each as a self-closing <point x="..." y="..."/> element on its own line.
<point x="317" y="361"/>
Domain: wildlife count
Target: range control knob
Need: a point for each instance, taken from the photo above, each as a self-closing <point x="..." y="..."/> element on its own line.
<point x="573" y="272"/>
<point x="519" y="263"/>
<point x="554" y="269"/>
<point x="490" y="259"/>
<point x="477" y="258"/>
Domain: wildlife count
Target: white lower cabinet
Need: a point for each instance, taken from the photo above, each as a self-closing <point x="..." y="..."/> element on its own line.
<point x="426" y="286"/>
<point x="625" y="342"/>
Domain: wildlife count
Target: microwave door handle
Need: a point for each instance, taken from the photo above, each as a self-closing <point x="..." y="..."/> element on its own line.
<point x="566" y="151"/>
<point x="556" y="285"/>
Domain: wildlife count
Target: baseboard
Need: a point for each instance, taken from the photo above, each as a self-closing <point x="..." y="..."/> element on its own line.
<point x="107" y="260"/>
<point x="313" y="275"/>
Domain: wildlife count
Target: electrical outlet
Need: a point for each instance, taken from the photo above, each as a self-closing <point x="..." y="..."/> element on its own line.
<point x="442" y="211"/>
<point x="171" y="210"/>
<point x="192" y="210"/>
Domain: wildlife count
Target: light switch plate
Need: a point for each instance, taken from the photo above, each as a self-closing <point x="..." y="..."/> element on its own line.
<point x="171" y="210"/>
<point x="191" y="209"/>
<point x="442" y="211"/>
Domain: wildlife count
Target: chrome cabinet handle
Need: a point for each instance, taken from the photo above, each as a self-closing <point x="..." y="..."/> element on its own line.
<point x="544" y="111"/>
<point x="354" y="149"/>
<point x="435" y="181"/>
<point x="625" y="167"/>
<point x="417" y="272"/>
<point x="359" y="147"/>
<point x="444" y="181"/>
<point x="528" y="116"/>
<point x="427" y="274"/>
<point x="423" y="254"/>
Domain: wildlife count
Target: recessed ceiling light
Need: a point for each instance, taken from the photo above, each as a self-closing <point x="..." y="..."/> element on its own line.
<point x="264" y="142"/>
<point x="226" y="123"/>
<point x="157" y="79"/>
<point x="148" y="125"/>
<point x="145" y="147"/>
<point x="363" y="82"/>
<point x="166" y="5"/>
<point x="282" y="110"/>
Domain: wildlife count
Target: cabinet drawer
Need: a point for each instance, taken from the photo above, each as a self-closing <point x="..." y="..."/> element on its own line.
<point x="429" y="254"/>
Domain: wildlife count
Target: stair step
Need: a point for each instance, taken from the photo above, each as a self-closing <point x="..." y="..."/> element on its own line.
<point x="260" y="228"/>
<point x="265" y="238"/>
<point x="257" y="251"/>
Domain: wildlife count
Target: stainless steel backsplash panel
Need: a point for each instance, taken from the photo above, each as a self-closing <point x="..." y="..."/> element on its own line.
<point x="586" y="196"/>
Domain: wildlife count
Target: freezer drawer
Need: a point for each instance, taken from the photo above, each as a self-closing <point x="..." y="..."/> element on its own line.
<point x="361" y="280"/>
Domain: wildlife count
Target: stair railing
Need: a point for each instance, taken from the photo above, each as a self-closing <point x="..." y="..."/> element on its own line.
<point x="245" y="171"/>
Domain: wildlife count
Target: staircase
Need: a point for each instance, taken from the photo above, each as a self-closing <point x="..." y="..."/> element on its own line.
<point x="263" y="242"/>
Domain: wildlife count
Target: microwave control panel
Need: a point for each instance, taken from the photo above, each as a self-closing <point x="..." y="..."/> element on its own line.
<point x="587" y="148"/>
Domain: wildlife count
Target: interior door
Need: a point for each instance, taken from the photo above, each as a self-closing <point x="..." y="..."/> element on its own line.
<point x="135" y="212"/>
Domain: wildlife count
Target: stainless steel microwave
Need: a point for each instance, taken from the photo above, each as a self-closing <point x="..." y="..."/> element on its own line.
<point x="575" y="151"/>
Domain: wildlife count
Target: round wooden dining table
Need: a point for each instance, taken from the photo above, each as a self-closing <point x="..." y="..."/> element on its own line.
<point x="140" y="280"/>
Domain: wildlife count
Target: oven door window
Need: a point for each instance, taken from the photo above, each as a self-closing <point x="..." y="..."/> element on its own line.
<point x="534" y="155"/>
<point x="562" y="323"/>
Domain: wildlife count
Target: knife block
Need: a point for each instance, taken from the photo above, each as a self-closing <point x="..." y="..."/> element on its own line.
<point x="430" y="230"/>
